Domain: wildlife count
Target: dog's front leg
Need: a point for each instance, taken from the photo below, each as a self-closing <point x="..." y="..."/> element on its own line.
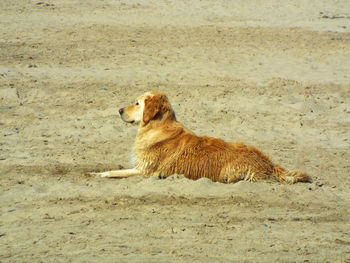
<point x="118" y="173"/>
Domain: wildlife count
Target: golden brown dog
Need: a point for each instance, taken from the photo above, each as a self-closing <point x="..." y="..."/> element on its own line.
<point x="164" y="147"/>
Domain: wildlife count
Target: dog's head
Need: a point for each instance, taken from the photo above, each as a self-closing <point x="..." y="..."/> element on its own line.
<point x="150" y="106"/>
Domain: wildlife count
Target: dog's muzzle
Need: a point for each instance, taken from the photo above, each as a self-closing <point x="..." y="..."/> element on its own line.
<point x="121" y="111"/>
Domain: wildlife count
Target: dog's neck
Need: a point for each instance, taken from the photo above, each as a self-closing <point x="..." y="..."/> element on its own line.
<point x="159" y="120"/>
<point x="158" y="129"/>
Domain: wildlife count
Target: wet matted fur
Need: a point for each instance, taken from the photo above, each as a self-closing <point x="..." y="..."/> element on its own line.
<point x="164" y="147"/>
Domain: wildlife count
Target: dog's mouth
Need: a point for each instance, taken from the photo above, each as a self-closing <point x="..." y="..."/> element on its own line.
<point x="131" y="122"/>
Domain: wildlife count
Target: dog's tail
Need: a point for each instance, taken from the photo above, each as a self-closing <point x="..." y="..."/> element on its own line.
<point x="290" y="177"/>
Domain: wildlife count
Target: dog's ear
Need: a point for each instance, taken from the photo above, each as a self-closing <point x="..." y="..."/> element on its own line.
<point x="150" y="110"/>
<point x="155" y="107"/>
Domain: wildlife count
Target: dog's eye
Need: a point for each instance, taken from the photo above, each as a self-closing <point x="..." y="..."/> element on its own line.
<point x="137" y="103"/>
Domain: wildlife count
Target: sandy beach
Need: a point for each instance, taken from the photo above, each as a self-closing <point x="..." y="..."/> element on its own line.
<point x="273" y="74"/>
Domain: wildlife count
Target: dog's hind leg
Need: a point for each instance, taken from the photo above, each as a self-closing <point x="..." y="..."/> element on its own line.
<point x="233" y="174"/>
<point x="117" y="174"/>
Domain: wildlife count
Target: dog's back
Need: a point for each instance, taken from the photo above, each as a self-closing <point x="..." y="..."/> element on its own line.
<point x="181" y="152"/>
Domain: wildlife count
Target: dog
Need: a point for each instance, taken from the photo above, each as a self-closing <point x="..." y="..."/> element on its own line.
<point x="164" y="147"/>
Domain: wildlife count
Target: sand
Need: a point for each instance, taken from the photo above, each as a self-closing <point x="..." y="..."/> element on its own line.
<point x="269" y="73"/>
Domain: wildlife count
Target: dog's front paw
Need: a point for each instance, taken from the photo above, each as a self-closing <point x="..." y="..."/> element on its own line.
<point x="97" y="175"/>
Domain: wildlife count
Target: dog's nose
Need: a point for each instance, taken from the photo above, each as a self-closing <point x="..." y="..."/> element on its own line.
<point x="121" y="111"/>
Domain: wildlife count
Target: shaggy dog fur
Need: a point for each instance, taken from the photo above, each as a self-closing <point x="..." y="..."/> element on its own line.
<point x="164" y="147"/>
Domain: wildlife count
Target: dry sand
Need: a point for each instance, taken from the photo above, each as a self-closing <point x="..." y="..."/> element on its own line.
<point x="274" y="74"/>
